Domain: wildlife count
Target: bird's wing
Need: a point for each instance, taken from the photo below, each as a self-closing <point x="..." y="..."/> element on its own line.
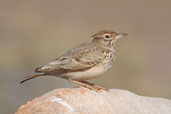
<point x="80" y="58"/>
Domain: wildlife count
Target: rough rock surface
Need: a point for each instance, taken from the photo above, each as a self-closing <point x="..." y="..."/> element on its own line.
<point x="85" y="101"/>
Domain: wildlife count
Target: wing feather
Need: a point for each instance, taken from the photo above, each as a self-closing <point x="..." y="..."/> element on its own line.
<point x="80" y="58"/>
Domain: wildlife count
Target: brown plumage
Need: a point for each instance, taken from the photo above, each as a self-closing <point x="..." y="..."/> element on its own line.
<point x="83" y="62"/>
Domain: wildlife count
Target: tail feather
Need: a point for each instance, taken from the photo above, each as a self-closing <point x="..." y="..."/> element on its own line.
<point x="31" y="77"/>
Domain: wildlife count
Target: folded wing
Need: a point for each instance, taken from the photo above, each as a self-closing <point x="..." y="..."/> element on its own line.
<point x="80" y="58"/>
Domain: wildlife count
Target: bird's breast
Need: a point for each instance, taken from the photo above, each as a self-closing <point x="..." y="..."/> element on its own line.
<point x="109" y="57"/>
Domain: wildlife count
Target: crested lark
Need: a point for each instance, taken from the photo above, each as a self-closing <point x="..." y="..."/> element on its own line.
<point x="83" y="62"/>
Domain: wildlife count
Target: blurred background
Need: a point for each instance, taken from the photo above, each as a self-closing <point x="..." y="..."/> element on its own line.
<point x="32" y="33"/>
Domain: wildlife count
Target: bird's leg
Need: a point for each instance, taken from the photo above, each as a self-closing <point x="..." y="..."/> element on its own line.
<point x="95" y="86"/>
<point x="88" y="85"/>
<point x="82" y="84"/>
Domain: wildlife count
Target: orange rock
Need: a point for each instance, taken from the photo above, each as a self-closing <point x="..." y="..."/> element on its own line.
<point x="84" y="101"/>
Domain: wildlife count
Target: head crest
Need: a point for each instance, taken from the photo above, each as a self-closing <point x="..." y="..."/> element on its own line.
<point x="101" y="33"/>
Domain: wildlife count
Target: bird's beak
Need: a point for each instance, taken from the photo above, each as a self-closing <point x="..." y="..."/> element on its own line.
<point x="119" y="35"/>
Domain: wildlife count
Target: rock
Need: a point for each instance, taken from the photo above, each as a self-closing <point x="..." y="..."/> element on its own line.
<point x="84" y="101"/>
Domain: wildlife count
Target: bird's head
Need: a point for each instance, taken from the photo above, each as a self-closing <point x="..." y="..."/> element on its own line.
<point x="107" y="37"/>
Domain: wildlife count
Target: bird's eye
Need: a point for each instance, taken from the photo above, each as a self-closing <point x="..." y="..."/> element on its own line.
<point x="107" y="36"/>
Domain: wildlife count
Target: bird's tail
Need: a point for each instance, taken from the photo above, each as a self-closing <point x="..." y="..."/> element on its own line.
<point x="32" y="76"/>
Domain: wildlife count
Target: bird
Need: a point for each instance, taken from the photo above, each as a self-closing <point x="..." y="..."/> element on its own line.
<point x="84" y="62"/>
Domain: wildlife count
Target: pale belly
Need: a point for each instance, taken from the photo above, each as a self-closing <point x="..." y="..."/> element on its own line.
<point x="89" y="74"/>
